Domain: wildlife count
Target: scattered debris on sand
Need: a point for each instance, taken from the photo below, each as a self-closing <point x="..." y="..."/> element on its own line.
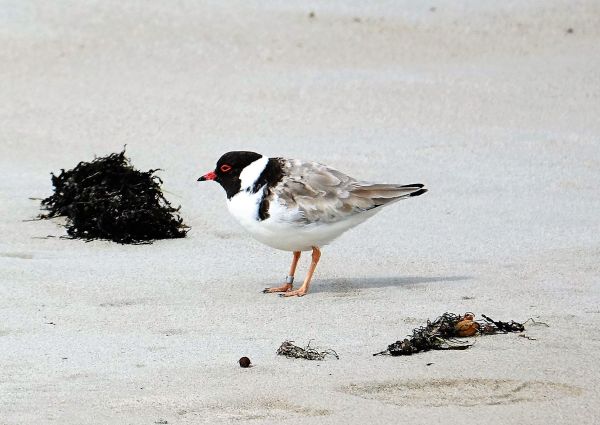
<point x="443" y="334"/>
<point x="109" y="199"/>
<point x="293" y="351"/>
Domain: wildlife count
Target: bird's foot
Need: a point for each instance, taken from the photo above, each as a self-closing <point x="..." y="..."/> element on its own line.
<point x="297" y="293"/>
<point x="284" y="288"/>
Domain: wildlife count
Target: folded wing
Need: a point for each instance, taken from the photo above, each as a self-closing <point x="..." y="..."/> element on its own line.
<point x="322" y="194"/>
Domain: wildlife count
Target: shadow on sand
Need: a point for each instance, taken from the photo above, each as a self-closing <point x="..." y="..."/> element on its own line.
<point x="350" y="284"/>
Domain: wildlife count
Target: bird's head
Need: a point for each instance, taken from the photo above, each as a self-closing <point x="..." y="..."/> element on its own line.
<point x="229" y="169"/>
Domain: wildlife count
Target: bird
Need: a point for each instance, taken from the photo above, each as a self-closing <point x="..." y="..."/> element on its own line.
<point x="298" y="206"/>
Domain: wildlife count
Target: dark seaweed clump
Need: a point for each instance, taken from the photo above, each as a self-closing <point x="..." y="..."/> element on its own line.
<point x="436" y="335"/>
<point x="109" y="199"/>
<point x="444" y="332"/>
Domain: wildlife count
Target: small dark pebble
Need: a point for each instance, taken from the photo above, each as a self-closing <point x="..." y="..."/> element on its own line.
<point x="312" y="15"/>
<point x="570" y="31"/>
<point x="245" y="362"/>
<point x="161" y="422"/>
<point x="428" y="364"/>
<point x="432" y="9"/>
<point x="357" y="20"/>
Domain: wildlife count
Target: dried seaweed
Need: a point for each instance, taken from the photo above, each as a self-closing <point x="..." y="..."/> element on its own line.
<point x="444" y="333"/>
<point x="511" y="326"/>
<point x="293" y="351"/>
<point x="437" y="335"/>
<point x="109" y="199"/>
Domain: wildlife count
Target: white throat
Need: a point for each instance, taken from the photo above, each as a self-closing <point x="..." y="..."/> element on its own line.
<point x="252" y="172"/>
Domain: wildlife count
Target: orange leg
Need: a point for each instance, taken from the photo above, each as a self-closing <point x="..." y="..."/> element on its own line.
<point x="287" y="286"/>
<point x="303" y="290"/>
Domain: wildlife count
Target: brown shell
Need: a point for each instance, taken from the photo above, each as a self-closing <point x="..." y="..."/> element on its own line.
<point x="466" y="328"/>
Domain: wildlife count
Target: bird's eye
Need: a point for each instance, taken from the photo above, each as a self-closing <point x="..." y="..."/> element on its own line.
<point x="225" y="168"/>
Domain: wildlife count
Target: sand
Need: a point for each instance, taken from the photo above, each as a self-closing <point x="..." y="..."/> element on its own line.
<point x="493" y="105"/>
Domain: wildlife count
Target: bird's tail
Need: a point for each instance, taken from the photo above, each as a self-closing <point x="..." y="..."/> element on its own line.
<point x="382" y="194"/>
<point x="416" y="189"/>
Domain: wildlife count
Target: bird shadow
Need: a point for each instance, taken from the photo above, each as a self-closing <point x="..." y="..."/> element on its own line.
<point x="353" y="284"/>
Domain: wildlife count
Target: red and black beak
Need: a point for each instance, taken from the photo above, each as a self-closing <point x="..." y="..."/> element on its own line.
<point x="211" y="175"/>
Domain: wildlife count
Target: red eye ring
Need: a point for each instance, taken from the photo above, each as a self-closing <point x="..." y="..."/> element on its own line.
<point x="225" y="168"/>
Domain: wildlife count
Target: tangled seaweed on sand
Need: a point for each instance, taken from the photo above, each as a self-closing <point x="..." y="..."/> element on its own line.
<point x="443" y="334"/>
<point x="293" y="351"/>
<point x="109" y="199"/>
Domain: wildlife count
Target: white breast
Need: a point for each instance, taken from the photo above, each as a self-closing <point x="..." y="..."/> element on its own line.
<point x="282" y="230"/>
<point x="244" y="207"/>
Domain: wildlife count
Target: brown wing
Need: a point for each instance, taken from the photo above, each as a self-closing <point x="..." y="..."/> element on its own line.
<point x="323" y="194"/>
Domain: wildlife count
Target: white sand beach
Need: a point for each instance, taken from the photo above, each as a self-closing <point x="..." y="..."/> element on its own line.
<point x="495" y="106"/>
